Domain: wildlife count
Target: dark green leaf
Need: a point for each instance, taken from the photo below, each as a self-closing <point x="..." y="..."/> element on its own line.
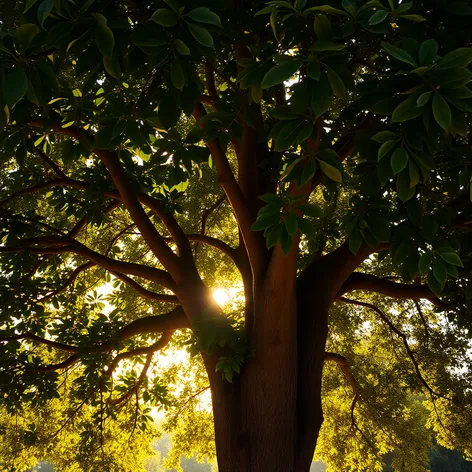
<point x="321" y="46"/>
<point x="379" y="226"/>
<point x="313" y="70"/>
<point x="43" y="11"/>
<point x="204" y="15"/>
<point x="399" y="54"/>
<point x="201" y="35"/>
<point x="404" y="191"/>
<point x="439" y="271"/>
<point x="291" y="223"/>
<point x="165" y="17"/>
<point x="280" y="73"/>
<point x="450" y="256"/>
<point x="311" y="209"/>
<point x="423" y="99"/>
<point x="322" y="96"/>
<point x="386" y="148"/>
<point x="15" y="86"/>
<point x="425" y="262"/>
<point x="25" y="33"/>
<point x="288" y="134"/>
<point x="169" y="111"/>
<point x="458" y="58"/>
<point x="337" y="84"/>
<point x="181" y="47"/>
<point x="331" y="171"/>
<point x="378" y="17"/>
<point x="274" y="235"/>
<point x="441" y="111"/>
<point x="399" y="160"/>
<point x="407" y="110"/>
<point x="428" y="51"/>
<point x="105" y="39"/>
<point x="177" y="75"/>
<point x="384" y="136"/>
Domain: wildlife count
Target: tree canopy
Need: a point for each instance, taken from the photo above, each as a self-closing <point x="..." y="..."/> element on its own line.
<point x="309" y="160"/>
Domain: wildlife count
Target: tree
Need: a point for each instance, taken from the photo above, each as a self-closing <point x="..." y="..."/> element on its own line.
<point x="336" y="139"/>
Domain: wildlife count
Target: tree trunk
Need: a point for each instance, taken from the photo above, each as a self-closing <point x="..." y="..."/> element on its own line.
<point x="270" y="417"/>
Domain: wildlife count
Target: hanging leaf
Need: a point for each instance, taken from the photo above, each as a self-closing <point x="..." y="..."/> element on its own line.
<point x="204" y="15"/>
<point x="165" y="17"/>
<point x="399" y="160"/>
<point x="43" y="11"/>
<point x="399" y="54"/>
<point x="280" y="73"/>
<point x="441" y="111"/>
<point x="177" y="75"/>
<point x="15" y="86"/>
<point x="331" y="171"/>
<point x="337" y="84"/>
<point x="201" y="35"/>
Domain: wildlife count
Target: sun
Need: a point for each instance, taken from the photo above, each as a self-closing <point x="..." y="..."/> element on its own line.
<point x="221" y="296"/>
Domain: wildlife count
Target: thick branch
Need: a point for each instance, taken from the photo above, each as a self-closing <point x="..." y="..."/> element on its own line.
<point x="130" y="199"/>
<point x="252" y="240"/>
<point x="372" y="283"/>
<point x="158" y="297"/>
<point x="39" y="339"/>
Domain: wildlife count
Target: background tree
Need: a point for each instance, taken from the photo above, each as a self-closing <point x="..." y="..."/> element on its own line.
<point x="334" y="140"/>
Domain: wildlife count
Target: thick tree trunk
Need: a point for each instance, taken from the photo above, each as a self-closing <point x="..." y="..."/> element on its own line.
<point x="261" y="421"/>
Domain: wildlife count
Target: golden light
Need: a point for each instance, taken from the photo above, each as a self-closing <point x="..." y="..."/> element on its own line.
<point x="221" y="296"/>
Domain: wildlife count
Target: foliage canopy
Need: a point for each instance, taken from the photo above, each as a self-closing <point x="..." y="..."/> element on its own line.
<point x="287" y="152"/>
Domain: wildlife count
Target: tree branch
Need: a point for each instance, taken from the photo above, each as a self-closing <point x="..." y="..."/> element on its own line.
<point x="372" y="283"/>
<point x="252" y="240"/>
<point x="401" y="335"/>
<point x="159" y="297"/>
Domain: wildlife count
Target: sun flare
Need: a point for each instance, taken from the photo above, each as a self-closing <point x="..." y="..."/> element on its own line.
<point x="221" y="296"/>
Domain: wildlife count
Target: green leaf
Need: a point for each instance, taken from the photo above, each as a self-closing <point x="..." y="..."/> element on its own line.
<point x="15" y="86"/>
<point x="450" y="256"/>
<point x="322" y="96"/>
<point x="309" y="170"/>
<point x="404" y="191"/>
<point x="274" y="235"/>
<point x="459" y="58"/>
<point x="271" y="198"/>
<point x="399" y="54"/>
<point x="201" y="35"/>
<point x="264" y="221"/>
<point x="287" y="136"/>
<point x="280" y="73"/>
<point x="291" y="223"/>
<point x="355" y="240"/>
<point x="415" y="18"/>
<point x="433" y="284"/>
<point x="379" y="226"/>
<point x="327" y="9"/>
<point x="378" y="17"/>
<point x="313" y="70"/>
<point x="425" y="262"/>
<point x="168" y="111"/>
<point x="321" y="46"/>
<point x="399" y="160"/>
<point x="423" y="99"/>
<point x="384" y="136"/>
<point x="337" y="84"/>
<point x="331" y="171"/>
<point x="105" y="39"/>
<point x="165" y="17"/>
<point x="25" y="33"/>
<point x="311" y="209"/>
<point x="428" y="51"/>
<point x="29" y="4"/>
<point x="181" y="47"/>
<point x="43" y="11"/>
<point x="439" y="271"/>
<point x="177" y="75"/>
<point x="407" y="110"/>
<point x="307" y="228"/>
<point x="414" y="174"/>
<point x="286" y="242"/>
<point x="441" y="111"/>
<point x="112" y="66"/>
<point x="386" y="148"/>
<point x="204" y="15"/>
